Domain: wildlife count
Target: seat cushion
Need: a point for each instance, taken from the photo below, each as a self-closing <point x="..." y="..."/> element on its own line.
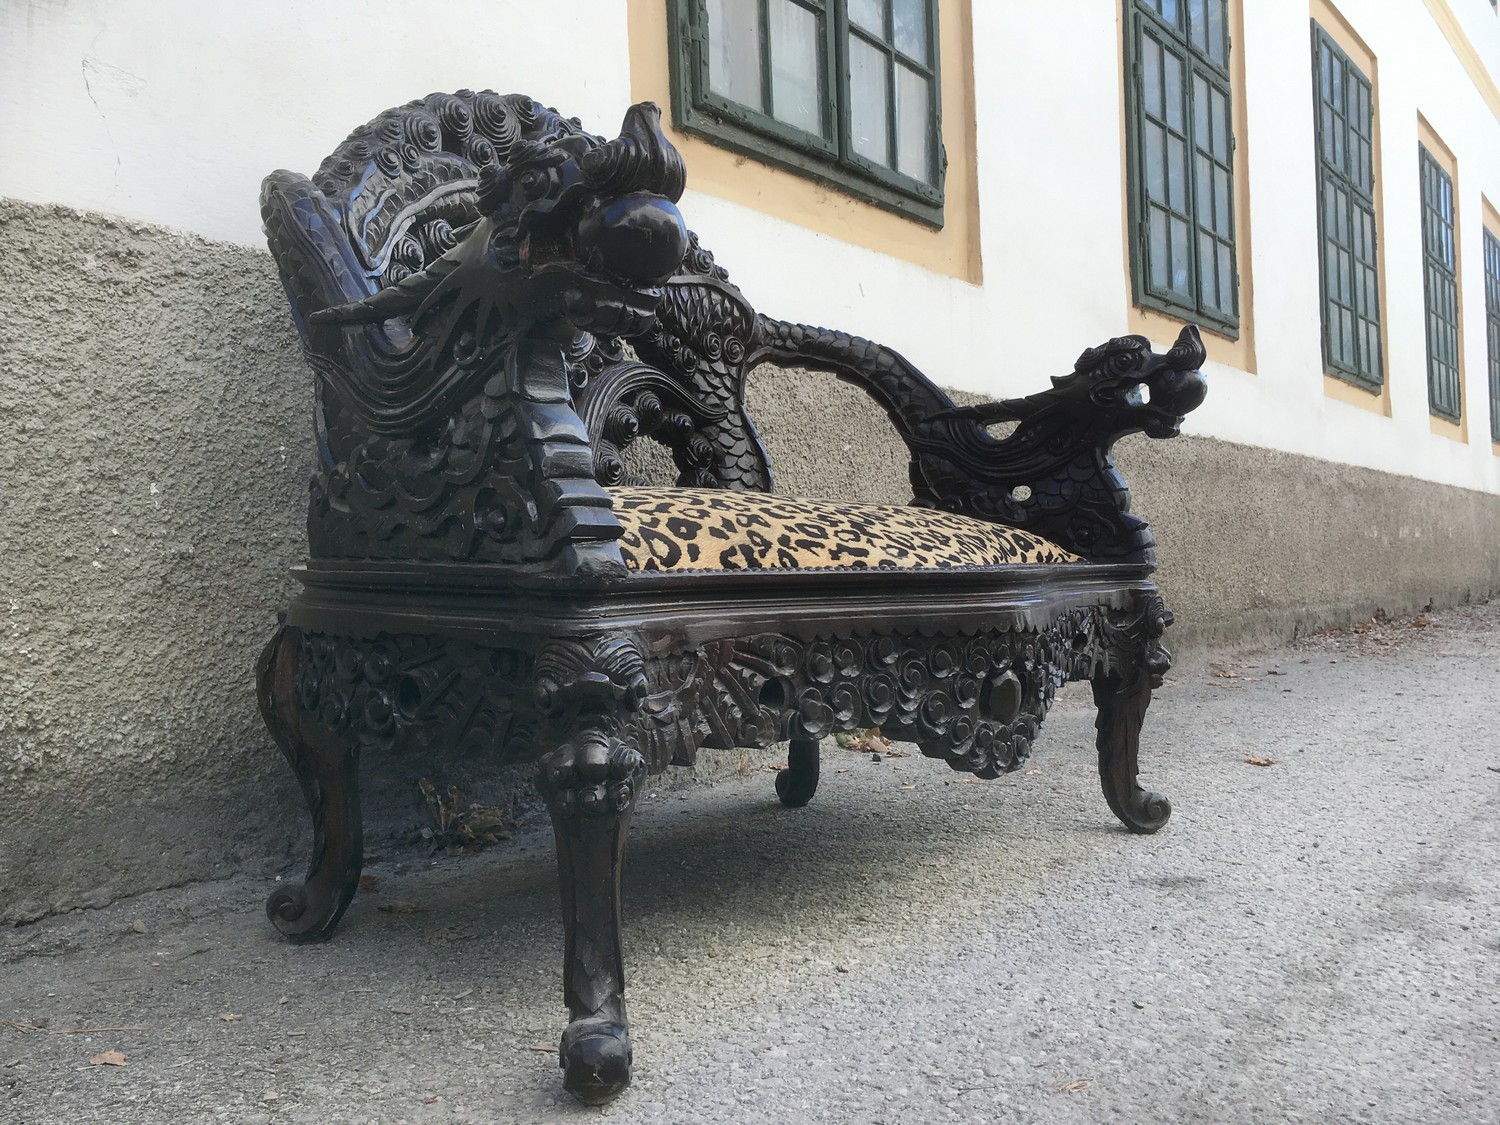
<point x="716" y="529"/>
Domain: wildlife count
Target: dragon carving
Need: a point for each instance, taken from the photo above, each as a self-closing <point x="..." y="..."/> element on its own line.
<point x="498" y="303"/>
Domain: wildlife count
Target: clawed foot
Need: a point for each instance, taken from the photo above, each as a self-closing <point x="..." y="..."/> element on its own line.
<point x="595" y="1056"/>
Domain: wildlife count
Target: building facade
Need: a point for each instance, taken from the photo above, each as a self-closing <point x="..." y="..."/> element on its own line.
<point x="988" y="186"/>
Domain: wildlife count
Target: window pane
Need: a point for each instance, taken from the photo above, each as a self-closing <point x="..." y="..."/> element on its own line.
<point x="1223" y="223"/>
<point x="1226" y="279"/>
<point x="1198" y="25"/>
<point x="911" y="28"/>
<point x="869" y="85"/>
<point x="1156" y="163"/>
<point x="1176" y="174"/>
<point x="1203" y="180"/>
<point x="1217" y="40"/>
<point x="1180" y="251"/>
<point x="1210" y="273"/>
<point x="913" y="153"/>
<point x="868" y="14"/>
<point x="734" y="51"/>
<point x="1151" y="76"/>
<point x="1221" y="125"/>
<point x="1172" y="83"/>
<point x="1157" y="252"/>
<point x="1201" y="129"/>
<point x="795" y="51"/>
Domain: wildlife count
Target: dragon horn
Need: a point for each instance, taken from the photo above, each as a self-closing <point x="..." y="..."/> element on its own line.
<point x="401" y="299"/>
<point x="639" y="159"/>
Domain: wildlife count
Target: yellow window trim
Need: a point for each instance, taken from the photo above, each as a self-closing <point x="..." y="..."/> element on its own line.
<point x="1332" y="21"/>
<point x="1456" y="431"/>
<point x="1158" y="325"/>
<point x="1468" y="57"/>
<point x="953" y="250"/>
<point x="1492" y="224"/>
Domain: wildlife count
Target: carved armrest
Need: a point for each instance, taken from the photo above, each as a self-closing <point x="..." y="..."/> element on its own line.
<point x="1053" y="474"/>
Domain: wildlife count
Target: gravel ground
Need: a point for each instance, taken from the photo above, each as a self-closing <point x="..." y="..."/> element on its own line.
<point x="1314" y="939"/>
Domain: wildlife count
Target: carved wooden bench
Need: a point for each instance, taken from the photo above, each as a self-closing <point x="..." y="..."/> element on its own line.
<point x="496" y="303"/>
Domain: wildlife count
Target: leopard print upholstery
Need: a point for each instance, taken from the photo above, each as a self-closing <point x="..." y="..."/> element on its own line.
<point x="717" y="529"/>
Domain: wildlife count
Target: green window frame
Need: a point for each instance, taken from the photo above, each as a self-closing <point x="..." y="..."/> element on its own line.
<point x="1492" y="325"/>
<point x="1350" y="274"/>
<point x="780" y="80"/>
<point x="1440" y="288"/>
<point x="1180" y="166"/>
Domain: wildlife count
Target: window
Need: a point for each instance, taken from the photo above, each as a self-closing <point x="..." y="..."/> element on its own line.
<point x="1492" y="322"/>
<point x="1181" y="151"/>
<point x="1346" y="215"/>
<point x="843" y="91"/>
<point x="1440" y="286"/>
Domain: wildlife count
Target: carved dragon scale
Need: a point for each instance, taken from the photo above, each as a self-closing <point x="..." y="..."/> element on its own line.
<point x="496" y="303"/>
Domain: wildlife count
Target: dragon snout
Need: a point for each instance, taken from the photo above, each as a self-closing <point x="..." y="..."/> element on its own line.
<point x="640" y="236"/>
<point x="1179" y="392"/>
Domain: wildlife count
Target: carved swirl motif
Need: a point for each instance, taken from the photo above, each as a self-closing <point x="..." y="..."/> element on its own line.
<point x="416" y="691"/>
<point x="976" y="702"/>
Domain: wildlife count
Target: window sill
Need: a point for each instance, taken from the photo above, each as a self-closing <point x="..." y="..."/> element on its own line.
<point x="738" y="138"/>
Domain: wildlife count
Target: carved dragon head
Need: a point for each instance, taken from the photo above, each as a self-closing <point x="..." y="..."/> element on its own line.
<point x="1141" y="389"/>
<point x="575" y="231"/>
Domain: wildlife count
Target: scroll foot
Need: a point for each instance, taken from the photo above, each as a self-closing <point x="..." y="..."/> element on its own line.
<point x="327" y="767"/>
<point x="1122" y="703"/>
<point x="796" y="784"/>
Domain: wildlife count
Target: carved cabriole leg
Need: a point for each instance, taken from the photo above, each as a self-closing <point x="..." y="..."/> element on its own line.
<point x="327" y="766"/>
<point x="586" y="691"/>
<point x="796" y="784"/>
<point x="1122" y="697"/>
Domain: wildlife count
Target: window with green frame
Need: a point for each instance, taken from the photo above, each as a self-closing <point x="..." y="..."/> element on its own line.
<point x="1492" y="324"/>
<point x="1345" y="126"/>
<point x="1440" y="287"/>
<point x="842" y="91"/>
<point x="1179" y="124"/>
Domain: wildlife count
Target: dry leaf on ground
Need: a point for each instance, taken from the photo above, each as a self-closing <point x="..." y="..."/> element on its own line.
<point x="869" y="740"/>
<point x="398" y="906"/>
<point x="367" y="882"/>
<point x="231" y="1017"/>
<point x="1074" y="1086"/>
<point x="1262" y="761"/>
<point x="107" y="1058"/>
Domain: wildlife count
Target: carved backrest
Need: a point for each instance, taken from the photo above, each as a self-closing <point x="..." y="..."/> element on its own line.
<point x="497" y="303"/>
<point x="403" y="452"/>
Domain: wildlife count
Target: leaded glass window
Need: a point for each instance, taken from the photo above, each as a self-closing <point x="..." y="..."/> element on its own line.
<point x="1345" y="126"/>
<point x="1492" y="325"/>
<point x="1440" y="285"/>
<point x="1180" y="131"/>
<point x="845" y="91"/>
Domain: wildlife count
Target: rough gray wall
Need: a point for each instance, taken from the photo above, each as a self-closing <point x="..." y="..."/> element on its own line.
<point x="152" y="489"/>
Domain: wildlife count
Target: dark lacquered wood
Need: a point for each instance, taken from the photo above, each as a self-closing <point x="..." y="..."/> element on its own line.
<point x="496" y="304"/>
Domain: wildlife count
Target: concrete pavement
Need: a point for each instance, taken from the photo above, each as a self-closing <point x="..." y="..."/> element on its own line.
<point x="1313" y="940"/>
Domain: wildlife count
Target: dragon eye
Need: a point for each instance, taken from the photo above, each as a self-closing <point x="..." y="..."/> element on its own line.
<point x="534" y="182"/>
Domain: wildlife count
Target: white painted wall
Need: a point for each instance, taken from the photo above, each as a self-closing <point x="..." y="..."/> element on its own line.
<point x="171" y="111"/>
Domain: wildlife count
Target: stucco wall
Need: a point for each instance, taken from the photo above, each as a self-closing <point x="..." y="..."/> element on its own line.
<point x="152" y="491"/>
